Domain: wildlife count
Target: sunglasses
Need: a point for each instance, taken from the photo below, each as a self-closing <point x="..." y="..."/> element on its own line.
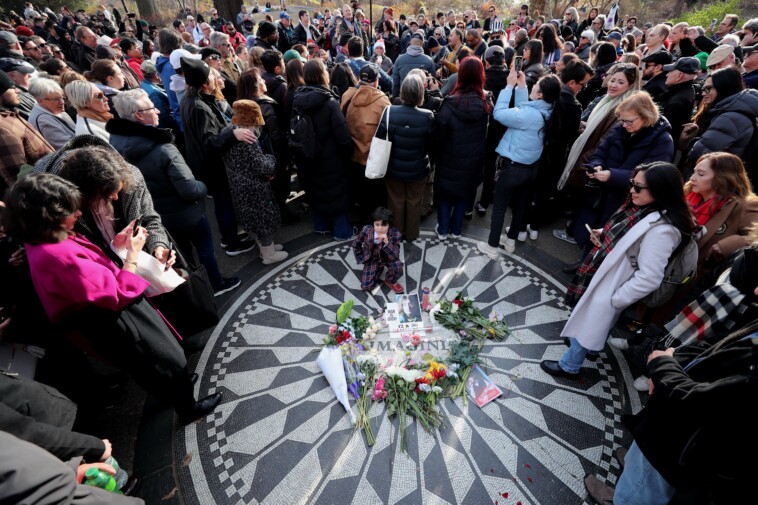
<point x="100" y="96"/>
<point x="636" y="187"/>
<point x="214" y="57"/>
<point x="707" y="89"/>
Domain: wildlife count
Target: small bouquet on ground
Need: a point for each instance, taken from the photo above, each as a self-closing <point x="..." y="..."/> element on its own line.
<point x="461" y="316"/>
<point x="330" y="362"/>
<point x="463" y="356"/>
<point x="369" y="366"/>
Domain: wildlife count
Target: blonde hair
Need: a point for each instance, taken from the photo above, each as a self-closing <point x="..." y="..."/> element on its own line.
<point x="79" y="93"/>
<point x="641" y="103"/>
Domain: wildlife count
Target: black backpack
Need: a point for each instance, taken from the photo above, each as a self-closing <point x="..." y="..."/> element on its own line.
<point x="303" y="139"/>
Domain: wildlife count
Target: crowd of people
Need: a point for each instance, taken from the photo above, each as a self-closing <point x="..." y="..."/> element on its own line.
<point x="114" y="133"/>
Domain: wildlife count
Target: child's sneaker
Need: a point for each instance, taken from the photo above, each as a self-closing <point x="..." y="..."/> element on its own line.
<point x="440" y="236"/>
<point x="396" y="287"/>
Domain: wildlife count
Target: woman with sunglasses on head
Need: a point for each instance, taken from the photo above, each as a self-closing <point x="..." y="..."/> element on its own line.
<point x="642" y="135"/>
<point x="726" y="119"/>
<point x="92" y="109"/>
<point x="656" y="216"/>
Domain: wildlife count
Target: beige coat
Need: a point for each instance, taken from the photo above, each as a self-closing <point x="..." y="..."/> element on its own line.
<point x="362" y="114"/>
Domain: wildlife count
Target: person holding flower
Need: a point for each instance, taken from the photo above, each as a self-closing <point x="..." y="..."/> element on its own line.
<point x="378" y="246"/>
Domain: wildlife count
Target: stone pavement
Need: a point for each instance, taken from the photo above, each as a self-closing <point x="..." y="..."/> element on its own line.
<point x="280" y="437"/>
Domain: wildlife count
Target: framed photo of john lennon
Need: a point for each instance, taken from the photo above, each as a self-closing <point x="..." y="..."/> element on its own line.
<point x="404" y="316"/>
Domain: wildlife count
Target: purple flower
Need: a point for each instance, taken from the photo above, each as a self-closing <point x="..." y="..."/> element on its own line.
<point x="353" y="388"/>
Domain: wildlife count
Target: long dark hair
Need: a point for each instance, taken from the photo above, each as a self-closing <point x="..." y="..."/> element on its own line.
<point x="550" y="87"/>
<point x="727" y="82"/>
<point x="248" y="84"/>
<point x="606" y="53"/>
<point x="550" y="40"/>
<point x="294" y="74"/>
<point x="341" y="78"/>
<point x="664" y="181"/>
<point x="536" y="52"/>
<point x="471" y="80"/>
<point x="314" y="73"/>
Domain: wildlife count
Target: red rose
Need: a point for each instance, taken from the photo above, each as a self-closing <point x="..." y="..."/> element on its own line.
<point x="458" y="302"/>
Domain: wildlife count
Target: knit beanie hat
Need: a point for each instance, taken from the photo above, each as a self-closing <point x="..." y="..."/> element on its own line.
<point x="195" y="71"/>
<point x="265" y="29"/>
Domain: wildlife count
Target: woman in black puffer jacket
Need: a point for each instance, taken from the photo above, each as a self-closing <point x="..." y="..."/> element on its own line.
<point x="462" y="127"/>
<point x="325" y="177"/>
<point x="411" y="131"/>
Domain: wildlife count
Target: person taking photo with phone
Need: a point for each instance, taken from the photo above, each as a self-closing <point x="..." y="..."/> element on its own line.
<point x="519" y="151"/>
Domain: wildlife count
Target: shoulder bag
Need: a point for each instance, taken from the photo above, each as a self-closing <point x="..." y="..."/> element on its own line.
<point x="379" y="152"/>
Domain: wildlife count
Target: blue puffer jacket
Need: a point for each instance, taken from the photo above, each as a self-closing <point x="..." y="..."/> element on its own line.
<point x="411" y="133"/>
<point x="524" y="139"/>
<point x="163" y="65"/>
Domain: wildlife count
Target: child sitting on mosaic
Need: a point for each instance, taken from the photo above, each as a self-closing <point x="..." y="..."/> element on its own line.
<point x="378" y="246"/>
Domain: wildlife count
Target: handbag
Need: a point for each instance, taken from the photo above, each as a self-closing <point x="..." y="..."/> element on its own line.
<point x="191" y="306"/>
<point x="379" y="153"/>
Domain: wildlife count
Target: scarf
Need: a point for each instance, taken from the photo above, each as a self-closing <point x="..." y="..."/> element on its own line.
<point x="605" y="106"/>
<point x="97" y="116"/>
<point x="717" y="305"/>
<point x="617" y="226"/>
<point x="704" y="210"/>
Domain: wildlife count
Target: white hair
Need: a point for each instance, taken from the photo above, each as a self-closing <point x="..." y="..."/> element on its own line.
<point x="41" y="87"/>
<point x="127" y="103"/>
<point x="79" y="93"/>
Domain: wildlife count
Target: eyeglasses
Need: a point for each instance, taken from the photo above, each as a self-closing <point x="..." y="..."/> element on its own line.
<point x="100" y="96"/>
<point x="627" y="122"/>
<point x="54" y="99"/>
<point x="636" y="187"/>
<point x="707" y="89"/>
<point x="145" y="110"/>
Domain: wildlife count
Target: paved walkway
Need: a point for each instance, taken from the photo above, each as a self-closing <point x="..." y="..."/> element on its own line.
<point x="280" y="437"/>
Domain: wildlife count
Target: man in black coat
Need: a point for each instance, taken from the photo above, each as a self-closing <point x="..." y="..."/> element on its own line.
<point x="305" y="31"/>
<point x="268" y="36"/>
<point x="276" y="86"/>
<point x="653" y="73"/>
<point x="679" y="98"/>
<point x="286" y="32"/>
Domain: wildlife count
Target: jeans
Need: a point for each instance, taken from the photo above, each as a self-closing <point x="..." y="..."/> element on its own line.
<point x="200" y="236"/>
<point x="225" y="216"/>
<point x="338" y="223"/>
<point x="450" y="213"/>
<point x="640" y="483"/>
<point x="572" y="359"/>
<point x="512" y="183"/>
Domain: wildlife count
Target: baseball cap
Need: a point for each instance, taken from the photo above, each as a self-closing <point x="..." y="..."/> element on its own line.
<point x="9" y="37"/>
<point x="614" y="36"/>
<point x="719" y="54"/>
<point x="284" y="15"/>
<point x="659" y="58"/>
<point x="492" y="50"/>
<point x="291" y="54"/>
<point x="369" y="73"/>
<point x="175" y="58"/>
<point x="14" y="65"/>
<point x="686" y="65"/>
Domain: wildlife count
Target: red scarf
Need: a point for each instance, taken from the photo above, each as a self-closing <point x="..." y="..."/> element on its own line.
<point x="704" y="210"/>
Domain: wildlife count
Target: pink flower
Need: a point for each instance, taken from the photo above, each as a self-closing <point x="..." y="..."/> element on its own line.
<point x="332" y="329"/>
<point x="415" y="339"/>
<point x="379" y="392"/>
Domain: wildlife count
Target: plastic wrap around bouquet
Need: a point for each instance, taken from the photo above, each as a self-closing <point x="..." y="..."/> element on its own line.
<point x="330" y="362"/>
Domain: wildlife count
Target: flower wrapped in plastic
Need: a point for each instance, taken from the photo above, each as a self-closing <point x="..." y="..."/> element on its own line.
<point x="329" y="361"/>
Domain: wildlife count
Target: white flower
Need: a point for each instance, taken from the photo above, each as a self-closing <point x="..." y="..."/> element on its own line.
<point x="436" y="389"/>
<point x="437" y="307"/>
<point x="404" y="373"/>
<point x="424" y="387"/>
<point x="365" y="358"/>
<point x="454" y="308"/>
<point x="371" y="320"/>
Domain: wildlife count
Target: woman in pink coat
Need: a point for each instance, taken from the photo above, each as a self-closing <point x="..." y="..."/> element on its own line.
<point x="95" y="301"/>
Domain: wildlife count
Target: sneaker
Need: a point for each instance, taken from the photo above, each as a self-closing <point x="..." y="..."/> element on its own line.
<point x="241" y="236"/>
<point x="454" y="235"/>
<point x="480" y="209"/>
<point x="508" y="244"/>
<point x="521" y="236"/>
<point x="492" y="252"/>
<point x="561" y="234"/>
<point x="227" y="285"/>
<point x="441" y="236"/>
<point x="619" y="343"/>
<point x="241" y="248"/>
<point x="396" y="287"/>
<point x="469" y="215"/>
<point x="640" y="384"/>
<point x="533" y="234"/>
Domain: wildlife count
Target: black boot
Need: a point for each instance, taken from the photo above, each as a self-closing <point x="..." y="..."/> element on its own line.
<point x="200" y="409"/>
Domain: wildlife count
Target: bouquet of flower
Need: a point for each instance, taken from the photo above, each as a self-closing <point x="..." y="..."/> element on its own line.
<point x="369" y="365"/>
<point x="461" y="316"/>
<point x="463" y="356"/>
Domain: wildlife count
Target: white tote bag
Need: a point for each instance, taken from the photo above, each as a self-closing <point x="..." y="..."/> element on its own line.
<point x="379" y="153"/>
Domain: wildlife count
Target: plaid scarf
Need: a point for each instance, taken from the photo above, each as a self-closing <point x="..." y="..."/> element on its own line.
<point x="617" y="226"/>
<point x="696" y="321"/>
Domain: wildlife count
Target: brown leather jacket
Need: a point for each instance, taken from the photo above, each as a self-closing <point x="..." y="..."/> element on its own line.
<point x="363" y="114"/>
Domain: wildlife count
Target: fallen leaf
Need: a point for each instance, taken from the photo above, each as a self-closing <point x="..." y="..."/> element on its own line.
<point x="171" y="494"/>
<point x="187" y="459"/>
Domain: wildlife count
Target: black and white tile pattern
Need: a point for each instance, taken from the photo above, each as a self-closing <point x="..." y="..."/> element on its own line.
<point x="280" y="437"/>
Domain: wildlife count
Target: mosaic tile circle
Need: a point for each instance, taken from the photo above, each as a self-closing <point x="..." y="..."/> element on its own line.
<point x="280" y="437"/>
